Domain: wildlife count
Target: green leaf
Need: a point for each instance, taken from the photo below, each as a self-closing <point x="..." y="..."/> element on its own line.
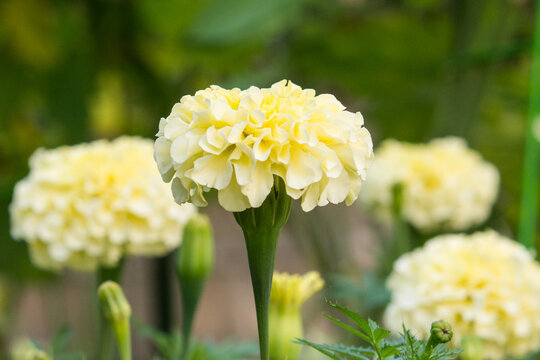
<point x="61" y="340"/>
<point x="322" y="349"/>
<point x="234" y="21"/>
<point x="389" y="350"/>
<point x="349" y="329"/>
<point x="363" y="324"/>
<point x="380" y="333"/>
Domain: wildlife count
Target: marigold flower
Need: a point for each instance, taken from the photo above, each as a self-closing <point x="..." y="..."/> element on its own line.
<point x="88" y="205"/>
<point x="288" y="294"/>
<point x="294" y="290"/>
<point x="484" y="284"/>
<point x="446" y="186"/>
<point x="237" y="141"/>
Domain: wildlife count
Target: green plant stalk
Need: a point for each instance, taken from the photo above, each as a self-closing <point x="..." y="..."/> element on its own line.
<point x="105" y="331"/>
<point x="285" y="326"/>
<point x="122" y="334"/>
<point x="261" y="227"/>
<point x="529" y="194"/>
<point x="191" y="292"/>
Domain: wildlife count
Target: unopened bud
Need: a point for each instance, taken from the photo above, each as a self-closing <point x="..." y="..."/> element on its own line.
<point x="117" y="310"/>
<point x="194" y="264"/>
<point x="441" y="332"/>
<point x="196" y="258"/>
<point x="114" y="304"/>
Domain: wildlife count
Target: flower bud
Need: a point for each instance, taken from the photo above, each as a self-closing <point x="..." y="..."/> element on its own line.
<point x="194" y="264"/>
<point x="288" y="294"/>
<point x="114" y="304"/>
<point x="473" y="348"/>
<point x="196" y="257"/>
<point x="441" y="332"/>
<point x="117" y="310"/>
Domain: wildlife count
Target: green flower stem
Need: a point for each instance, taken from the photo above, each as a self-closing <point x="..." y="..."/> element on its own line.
<point x="105" y="332"/>
<point x="123" y="338"/>
<point x="529" y="190"/>
<point x="285" y="326"/>
<point x="261" y="227"/>
<point x="194" y="264"/>
<point x="191" y="292"/>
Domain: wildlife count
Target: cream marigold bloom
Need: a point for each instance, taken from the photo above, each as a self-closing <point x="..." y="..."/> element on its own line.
<point x="236" y="141"/>
<point x="88" y="205"/>
<point x="294" y="290"/>
<point x="446" y="185"/>
<point x="484" y="284"/>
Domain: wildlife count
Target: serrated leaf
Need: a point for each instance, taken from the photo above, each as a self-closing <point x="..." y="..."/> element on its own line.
<point x="349" y="328"/>
<point x="362" y="323"/>
<point x="321" y="348"/>
<point x="380" y="334"/>
<point x="389" y="350"/>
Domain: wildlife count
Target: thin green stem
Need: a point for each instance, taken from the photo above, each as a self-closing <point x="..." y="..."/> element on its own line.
<point x="191" y="292"/>
<point x="529" y="195"/>
<point x="123" y="338"/>
<point x="105" y="332"/>
<point x="261" y="227"/>
<point x="261" y="249"/>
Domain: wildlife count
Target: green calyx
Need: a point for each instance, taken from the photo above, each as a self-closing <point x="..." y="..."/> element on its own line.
<point x="196" y="256"/>
<point x="194" y="264"/>
<point x="117" y="311"/>
<point x="441" y="332"/>
<point x="261" y="227"/>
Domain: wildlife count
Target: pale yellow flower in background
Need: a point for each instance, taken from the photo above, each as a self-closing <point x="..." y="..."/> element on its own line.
<point x="294" y="290"/>
<point x="446" y="185"/>
<point x="237" y="141"/>
<point x="88" y="205"/>
<point x="289" y="292"/>
<point x="484" y="284"/>
<point x="25" y="349"/>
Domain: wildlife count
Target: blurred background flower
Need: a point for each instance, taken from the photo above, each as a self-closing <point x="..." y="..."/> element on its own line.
<point x="484" y="284"/>
<point x="445" y="185"/>
<point x="89" y="205"/>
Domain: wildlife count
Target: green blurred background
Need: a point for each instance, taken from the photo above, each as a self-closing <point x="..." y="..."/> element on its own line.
<point x="76" y="70"/>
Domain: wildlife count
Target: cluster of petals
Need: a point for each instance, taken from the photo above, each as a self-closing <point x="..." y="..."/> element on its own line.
<point x="484" y="284"/>
<point x="238" y="142"/>
<point x="445" y="185"/>
<point x="292" y="290"/>
<point x="88" y="205"/>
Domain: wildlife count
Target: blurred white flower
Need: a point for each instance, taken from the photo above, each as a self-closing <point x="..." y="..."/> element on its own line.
<point x="237" y="141"/>
<point x="484" y="284"/>
<point x="446" y="186"/>
<point x="88" y="205"/>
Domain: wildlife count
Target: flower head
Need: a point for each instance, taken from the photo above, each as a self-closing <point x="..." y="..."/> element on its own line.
<point x="484" y="284"/>
<point x="88" y="205"/>
<point x="236" y="141"/>
<point x="445" y="185"/>
<point x="288" y="294"/>
<point x="293" y="290"/>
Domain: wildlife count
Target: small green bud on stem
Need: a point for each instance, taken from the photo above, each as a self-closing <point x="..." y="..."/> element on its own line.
<point x="194" y="264"/>
<point x="441" y="333"/>
<point x="117" y="311"/>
